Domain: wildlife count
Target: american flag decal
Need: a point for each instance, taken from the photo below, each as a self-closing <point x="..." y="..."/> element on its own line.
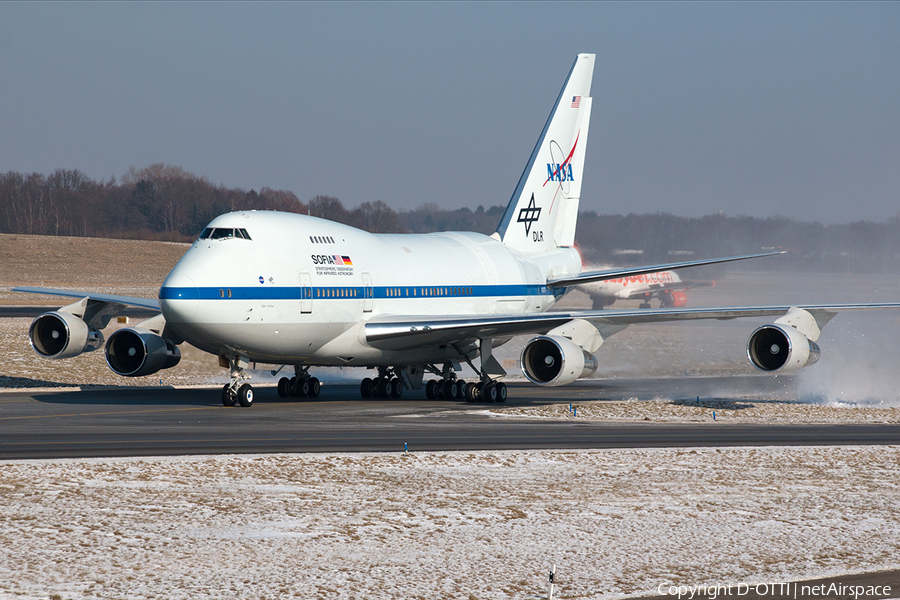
<point x="576" y="101"/>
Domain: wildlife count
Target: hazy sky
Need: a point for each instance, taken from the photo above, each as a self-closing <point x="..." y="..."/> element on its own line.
<point x="748" y="108"/>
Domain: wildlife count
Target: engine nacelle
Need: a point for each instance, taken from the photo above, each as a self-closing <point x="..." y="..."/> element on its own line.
<point x="553" y="360"/>
<point x="134" y="352"/>
<point x="781" y="348"/>
<point x="675" y="299"/>
<point x="62" y="335"/>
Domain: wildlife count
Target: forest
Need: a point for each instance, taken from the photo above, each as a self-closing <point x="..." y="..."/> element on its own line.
<point x="164" y="202"/>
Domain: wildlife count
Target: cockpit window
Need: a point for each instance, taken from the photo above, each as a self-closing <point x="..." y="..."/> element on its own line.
<point x="221" y="233"/>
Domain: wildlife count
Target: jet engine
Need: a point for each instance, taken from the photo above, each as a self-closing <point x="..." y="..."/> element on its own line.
<point x="553" y="360"/>
<point x="61" y="334"/>
<point x="781" y="348"/>
<point x="134" y="352"/>
<point x="675" y="299"/>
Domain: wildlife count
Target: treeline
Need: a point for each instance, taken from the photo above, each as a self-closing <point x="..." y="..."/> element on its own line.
<point x="661" y="237"/>
<point x="164" y="202"/>
<point x="160" y="202"/>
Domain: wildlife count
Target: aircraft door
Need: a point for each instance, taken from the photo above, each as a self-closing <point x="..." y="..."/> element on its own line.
<point x="368" y="292"/>
<point x="305" y="293"/>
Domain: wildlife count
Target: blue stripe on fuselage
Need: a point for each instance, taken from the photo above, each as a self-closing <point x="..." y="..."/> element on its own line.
<point x="354" y="292"/>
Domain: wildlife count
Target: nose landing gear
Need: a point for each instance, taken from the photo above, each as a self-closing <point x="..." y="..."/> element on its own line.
<point x="236" y="392"/>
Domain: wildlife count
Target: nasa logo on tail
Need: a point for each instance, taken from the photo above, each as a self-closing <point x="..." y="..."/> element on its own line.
<point x="560" y="167"/>
<point x="559" y="172"/>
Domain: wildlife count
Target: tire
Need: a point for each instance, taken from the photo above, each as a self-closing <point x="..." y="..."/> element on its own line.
<point x="384" y="390"/>
<point x="430" y="389"/>
<point x="227" y="398"/>
<point x="489" y="392"/>
<point x="471" y="392"/>
<point x="365" y="388"/>
<point x="245" y="395"/>
<point x="501" y="392"/>
<point x="449" y="389"/>
<point x="302" y="388"/>
<point x="460" y="389"/>
<point x="291" y="387"/>
<point x="396" y="386"/>
<point x="283" y="385"/>
<point x="315" y="386"/>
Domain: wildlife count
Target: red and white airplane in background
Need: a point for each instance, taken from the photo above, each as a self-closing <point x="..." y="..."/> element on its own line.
<point x="667" y="286"/>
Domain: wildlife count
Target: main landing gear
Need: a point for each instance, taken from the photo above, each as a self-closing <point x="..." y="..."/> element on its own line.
<point x="451" y="388"/>
<point x="386" y="385"/>
<point x="457" y="389"/>
<point x="301" y="385"/>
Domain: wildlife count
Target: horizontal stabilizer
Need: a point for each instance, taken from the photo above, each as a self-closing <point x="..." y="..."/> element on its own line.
<point x="589" y="276"/>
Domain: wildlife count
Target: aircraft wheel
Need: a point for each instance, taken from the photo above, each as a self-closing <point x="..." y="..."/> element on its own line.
<point x="644" y="305"/>
<point x="383" y="387"/>
<point x="471" y="392"/>
<point x="449" y="389"/>
<point x="301" y="389"/>
<point x="315" y="386"/>
<point x="245" y="395"/>
<point x="460" y="389"/>
<point x="227" y="398"/>
<point x="396" y="387"/>
<point x="489" y="392"/>
<point x="501" y="392"/>
<point x="430" y="389"/>
<point x="283" y="385"/>
<point x="365" y="388"/>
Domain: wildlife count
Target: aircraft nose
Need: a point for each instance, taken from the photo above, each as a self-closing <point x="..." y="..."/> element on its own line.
<point x="179" y="298"/>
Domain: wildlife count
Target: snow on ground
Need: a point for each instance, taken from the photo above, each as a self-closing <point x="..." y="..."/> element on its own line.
<point x="722" y="410"/>
<point x="443" y="525"/>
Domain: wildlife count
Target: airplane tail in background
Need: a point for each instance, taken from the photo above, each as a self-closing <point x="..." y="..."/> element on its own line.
<point x="543" y="210"/>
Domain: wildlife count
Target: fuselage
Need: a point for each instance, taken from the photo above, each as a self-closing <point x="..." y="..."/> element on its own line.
<point x="625" y="288"/>
<point x="292" y="289"/>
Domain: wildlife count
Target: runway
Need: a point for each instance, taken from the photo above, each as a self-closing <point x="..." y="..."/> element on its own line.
<point x="159" y="421"/>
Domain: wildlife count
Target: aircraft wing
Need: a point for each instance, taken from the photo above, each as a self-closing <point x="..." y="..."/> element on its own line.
<point x="397" y="333"/>
<point x="148" y="303"/>
<point x="589" y="276"/>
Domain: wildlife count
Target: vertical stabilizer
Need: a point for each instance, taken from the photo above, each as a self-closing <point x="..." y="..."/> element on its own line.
<point x="543" y="210"/>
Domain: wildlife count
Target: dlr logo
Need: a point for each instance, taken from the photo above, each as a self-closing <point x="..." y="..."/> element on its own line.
<point x="537" y="236"/>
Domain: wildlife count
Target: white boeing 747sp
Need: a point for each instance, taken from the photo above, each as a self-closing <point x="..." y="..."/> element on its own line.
<point x="294" y="290"/>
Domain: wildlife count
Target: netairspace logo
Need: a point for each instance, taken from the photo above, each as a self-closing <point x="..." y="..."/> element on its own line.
<point x="792" y="590"/>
